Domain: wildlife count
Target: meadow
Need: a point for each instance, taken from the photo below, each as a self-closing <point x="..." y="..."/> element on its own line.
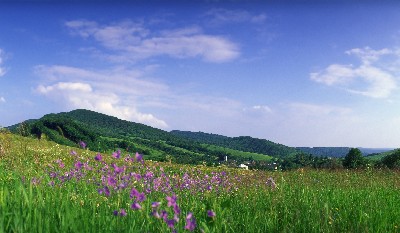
<point x="45" y="187"/>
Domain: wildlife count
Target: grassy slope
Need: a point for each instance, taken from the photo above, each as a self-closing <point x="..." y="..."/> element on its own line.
<point x="254" y="156"/>
<point x="304" y="200"/>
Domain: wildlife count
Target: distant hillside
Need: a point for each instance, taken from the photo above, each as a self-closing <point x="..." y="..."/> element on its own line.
<point x="336" y="152"/>
<point x="379" y="156"/>
<point x="114" y="127"/>
<point x="106" y="133"/>
<point x="242" y="143"/>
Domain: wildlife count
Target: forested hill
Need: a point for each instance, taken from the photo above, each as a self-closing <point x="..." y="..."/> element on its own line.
<point x="243" y="143"/>
<point x="105" y="133"/>
<point x="113" y="127"/>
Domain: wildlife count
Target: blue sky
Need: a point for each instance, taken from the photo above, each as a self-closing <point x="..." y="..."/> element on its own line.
<point x="300" y="74"/>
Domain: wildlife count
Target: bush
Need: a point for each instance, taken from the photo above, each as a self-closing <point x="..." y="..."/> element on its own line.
<point x="354" y="159"/>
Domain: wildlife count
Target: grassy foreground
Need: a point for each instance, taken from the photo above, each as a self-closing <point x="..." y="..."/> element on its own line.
<point x="45" y="187"/>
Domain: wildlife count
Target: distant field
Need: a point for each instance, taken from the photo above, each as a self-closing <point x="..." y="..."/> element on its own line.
<point x="254" y="156"/>
<point x="45" y="187"/>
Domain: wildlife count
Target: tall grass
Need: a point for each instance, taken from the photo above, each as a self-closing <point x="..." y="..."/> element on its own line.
<point x="36" y="195"/>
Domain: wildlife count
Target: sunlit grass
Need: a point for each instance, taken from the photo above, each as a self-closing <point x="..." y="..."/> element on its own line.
<point x="43" y="188"/>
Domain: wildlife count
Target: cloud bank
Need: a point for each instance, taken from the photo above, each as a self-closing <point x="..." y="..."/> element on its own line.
<point x="372" y="78"/>
<point x="98" y="91"/>
<point x="133" y="41"/>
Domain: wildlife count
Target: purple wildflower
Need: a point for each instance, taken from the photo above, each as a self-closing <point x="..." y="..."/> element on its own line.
<point x="134" y="193"/>
<point x="111" y="181"/>
<point x="98" y="157"/>
<point x="171" y="200"/>
<point x="115" y="212"/>
<point x="164" y="215"/>
<point x="170" y="223"/>
<point x="137" y="176"/>
<point x="72" y="152"/>
<point x="155" y="204"/>
<point x="118" y="169"/>
<point x="104" y="190"/>
<point x="78" y="165"/>
<point x="82" y="144"/>
<point x="211" y="213"/>
<point x="141" y="197"/>
<point x="156" y="214"/>
<point x="139" y="157"/>
<point x="136" y="206"/>
<point x="122" y="212"/>
<point x="177" y="210"/>
<point x="190" y="222"/>
<point x="116" y="154"/>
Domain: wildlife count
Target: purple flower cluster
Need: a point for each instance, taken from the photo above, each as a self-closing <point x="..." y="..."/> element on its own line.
<point x="130" y="175"/>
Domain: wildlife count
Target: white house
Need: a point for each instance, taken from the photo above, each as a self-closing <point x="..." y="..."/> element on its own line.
<point x="244" y="166"/>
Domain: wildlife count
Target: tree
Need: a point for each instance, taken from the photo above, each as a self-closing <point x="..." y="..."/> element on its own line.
<point x="354" y="159"/>
<point x="392" y="160"/>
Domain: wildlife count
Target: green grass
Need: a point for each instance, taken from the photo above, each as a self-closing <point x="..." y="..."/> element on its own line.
<point x="238" y="153"/>
<point x="303" y="200"/>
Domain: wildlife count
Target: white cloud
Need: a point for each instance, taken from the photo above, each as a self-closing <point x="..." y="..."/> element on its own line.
<point x="219" y="16"/>
<point x="316" y="110"/>
<point x="132" y="41"/>
<point x="2" y="100"/>
<point x="2" y="69"/>
<point x="78" y="88"/>
<point x="368" y="55"/>
<point x="372" y="78"/>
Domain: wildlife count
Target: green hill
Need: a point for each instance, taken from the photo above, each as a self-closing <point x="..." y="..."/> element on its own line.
<point x="242" y="143"/>
<point x="106" y="133"/>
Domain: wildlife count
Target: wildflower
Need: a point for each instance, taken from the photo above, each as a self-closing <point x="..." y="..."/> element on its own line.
<point x="104" y="190"/>
<point x="190" y="222"/>
<point x="211" y="213"/>
<point x="141" y="197"/>
<point x="134" y="193"/>
<point x="155" y="204"/>
<point x="116" y="154"/>
<point x="155" y="214"/>
<point x="177" y="210"/>
<point x="82" y="144"/>
<point x="137" y="176"/>
<point x="122" y="212"/>
<point x="171" y="200"/>
<point x="170" y="223"/>
<point x="73" y="153"/>
<point x="118" y="169"/>
<point x="78" y="165"/>
<point x="111" y="181"/>
<point x="136" y="206"/>
<point x="164" y="215"/>
<point x="53" y="175"/>
<point x="139" y="157"/>
<point x="98" y="157"/>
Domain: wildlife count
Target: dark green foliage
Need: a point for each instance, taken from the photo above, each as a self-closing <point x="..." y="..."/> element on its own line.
<point x="392" y="160"/>
<point x="243" y="143"/>
<point x="354" y="159"/>
<point x="63" y="130"/>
